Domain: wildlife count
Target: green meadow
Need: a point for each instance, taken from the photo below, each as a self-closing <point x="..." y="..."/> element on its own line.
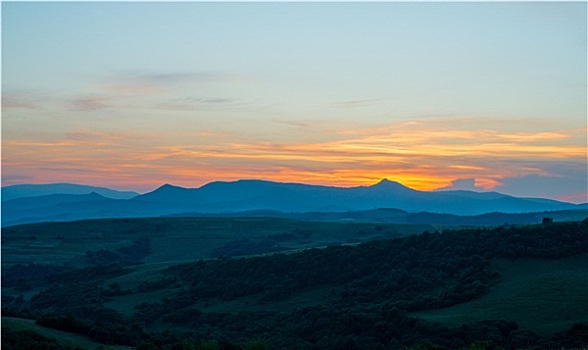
<point x="545" y="296"/>
<point x="67" y="339"/>
<point x="174" y="283"/>
<point x="176" y="240"/>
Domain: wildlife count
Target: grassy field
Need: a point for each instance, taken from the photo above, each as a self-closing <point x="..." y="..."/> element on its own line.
<point x="64" y="338"/>
<point x="176" y="240"/>
<point x="542" y="295"/>
<point x="173" y="241"/>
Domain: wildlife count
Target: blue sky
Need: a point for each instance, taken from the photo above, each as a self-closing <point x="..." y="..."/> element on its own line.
<point x="133" y="95"/>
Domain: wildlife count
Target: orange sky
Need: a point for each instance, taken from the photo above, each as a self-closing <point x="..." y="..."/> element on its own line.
<point x="427" y="154"/>
<point x="479" y="96"/>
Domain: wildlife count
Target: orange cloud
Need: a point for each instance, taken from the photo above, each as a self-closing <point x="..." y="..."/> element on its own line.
<point x="420" y="154"/>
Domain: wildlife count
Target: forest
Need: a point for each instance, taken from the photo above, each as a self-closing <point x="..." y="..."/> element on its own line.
<point x="347" y="296"/>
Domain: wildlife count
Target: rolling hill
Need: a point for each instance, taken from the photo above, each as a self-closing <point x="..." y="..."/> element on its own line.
<point x="157" y="284"/>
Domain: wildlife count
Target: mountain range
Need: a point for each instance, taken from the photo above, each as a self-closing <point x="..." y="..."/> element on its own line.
<point x="232" y="198"/>
<point x="29" y="190"/>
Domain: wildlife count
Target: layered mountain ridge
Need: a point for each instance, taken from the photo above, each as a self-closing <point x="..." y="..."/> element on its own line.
<point x="258" y="195"/>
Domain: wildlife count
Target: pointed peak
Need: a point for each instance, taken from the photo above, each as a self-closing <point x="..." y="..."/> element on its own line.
<point x="386" y="181"/>
<point x="168" y="187"/>
<point x="166" y="192"/>
<point x="390" y="185"/>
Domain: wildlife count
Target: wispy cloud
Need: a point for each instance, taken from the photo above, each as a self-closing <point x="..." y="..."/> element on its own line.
<point x="87" y="156"/>
<point x="464" y="184"/>
<point x="564" y="187"/>
<point x="356" y="103"/>
<point x="91" y="103"/>
<point x="149" y="83"/>
<point x="423" y="165"/>
<point x="160" y="91"/>
<point x="295" y="123"/>
<point x="197" y="104"/>
<point x="422" y="155"/>
<point x="18" y="102"/>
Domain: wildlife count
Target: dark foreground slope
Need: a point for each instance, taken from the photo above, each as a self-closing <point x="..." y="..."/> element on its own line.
<point x="339" y="297"/>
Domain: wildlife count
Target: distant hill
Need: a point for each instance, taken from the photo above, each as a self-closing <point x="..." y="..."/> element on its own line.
<point x="230" y="198"/>
<point x="26" y="190"/>
<point x="396" y="216"/>
<point x="73" y="207"/>
<point x="246" y="195"/>
<point x="53" y="207"/>
<point x="27" y="203"/>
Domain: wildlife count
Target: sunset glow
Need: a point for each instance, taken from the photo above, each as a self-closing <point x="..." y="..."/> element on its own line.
<point x="361" y="92"/>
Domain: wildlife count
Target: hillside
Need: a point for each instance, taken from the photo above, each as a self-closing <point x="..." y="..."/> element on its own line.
<point x="48" y="337"/>
<point x="397" y="216"/>
<point x="183" y="239"/>
<point x="362" y="296"/>
<point x="555" y="295"/>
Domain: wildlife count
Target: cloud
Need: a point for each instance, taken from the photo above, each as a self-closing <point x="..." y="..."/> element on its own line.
<point x="295" y="123"/>
<point x="196" y="104"/>
<point x="422" y="154"/>
<point x="181" y="77"/>
<point x="8" y="179"/>
<point x="535" y="185"/>
<point x="94" y="135"/>
<point x="150" y="83"/>
<point x="13" y="102"/>
<point x="463" y="184"/>
<point x="134" y="90"/>
<point x="90" y="103"/>
<point x="162" y="91"/>
<point x="89" y="156"/>
<point x="426" y="160"/>
<point x="356" y="103"/>
<point x="48" y="102"/>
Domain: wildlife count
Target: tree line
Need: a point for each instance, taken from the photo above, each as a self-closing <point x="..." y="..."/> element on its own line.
<point x="373" y="285"/>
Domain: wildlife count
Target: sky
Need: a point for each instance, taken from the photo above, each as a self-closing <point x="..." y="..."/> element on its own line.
<point x="133" y="95"/>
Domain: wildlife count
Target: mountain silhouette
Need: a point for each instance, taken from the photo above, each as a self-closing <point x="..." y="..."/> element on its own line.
<point x="258" y="195"/>
<point x="243" y="195"/>
<point x="33" y="190"/>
